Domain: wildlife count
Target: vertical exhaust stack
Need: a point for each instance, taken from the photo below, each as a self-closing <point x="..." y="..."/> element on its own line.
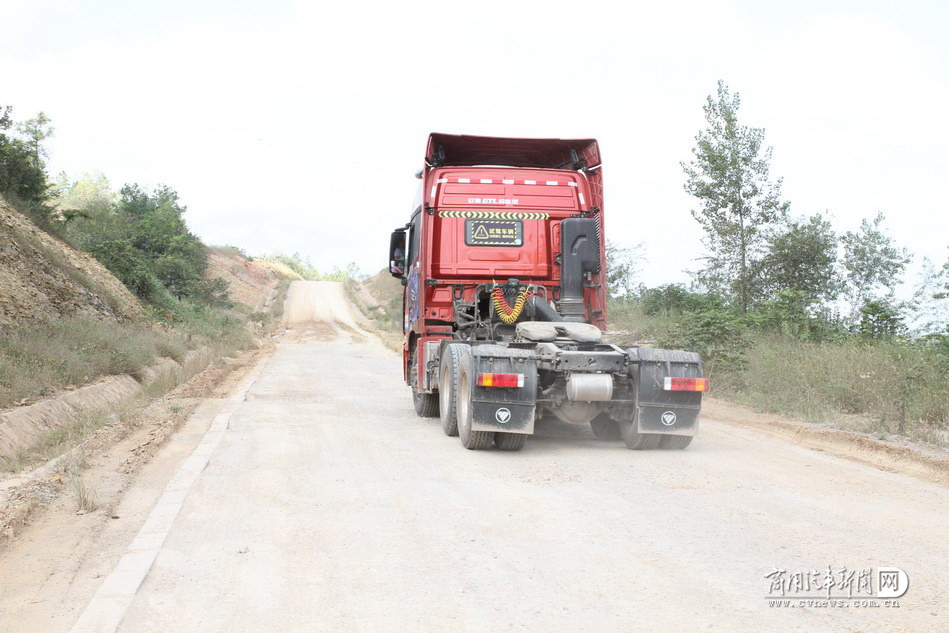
<point x="580" y="254"/>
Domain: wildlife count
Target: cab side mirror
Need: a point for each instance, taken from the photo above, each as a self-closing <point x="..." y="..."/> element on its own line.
<point x="397" y="253"/>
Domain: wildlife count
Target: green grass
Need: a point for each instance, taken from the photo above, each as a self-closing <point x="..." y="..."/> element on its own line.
<point x="892" y="387"/>
<point x="36" y="360"/>
<point x="637" y="327"/>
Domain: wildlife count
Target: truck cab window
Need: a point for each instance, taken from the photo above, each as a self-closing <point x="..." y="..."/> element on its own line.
<point x="415" y="232"/>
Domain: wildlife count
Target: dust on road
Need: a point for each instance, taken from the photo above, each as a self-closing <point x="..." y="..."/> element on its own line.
<point x="327" y="505"/>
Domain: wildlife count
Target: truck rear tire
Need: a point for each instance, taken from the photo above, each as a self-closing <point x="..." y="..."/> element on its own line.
<point x="605" y="428"/>
<point x="447" y="394"/>
<point x="675" y="442"/>
<point x="472" y="440"/>
<point x="426" y="404"/>
<point x="635" y="440"/>
<point x="510" y="441"/>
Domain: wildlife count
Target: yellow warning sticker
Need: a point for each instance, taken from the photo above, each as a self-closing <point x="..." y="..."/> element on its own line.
<point x="494" y="232"/>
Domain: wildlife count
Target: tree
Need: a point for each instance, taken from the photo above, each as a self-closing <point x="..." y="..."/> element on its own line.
<point x="175" y="255"/>
<point x="144" y="240"/>
<point x="22" y="176"/>
<point x="37" y="130"/>
<point x="92" y="190"/>
<point x="729" y="174"/>
<point x="873" y="264"/>
<point x="622" y="264"/>
<point x="930" y="305"/>
<point x="802" y="260"/>
<point x="879" y="318"/>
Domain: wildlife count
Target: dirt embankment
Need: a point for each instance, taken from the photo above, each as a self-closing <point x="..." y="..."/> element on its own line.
<point x="250" y="281"/>
<point x="43" y="278"/>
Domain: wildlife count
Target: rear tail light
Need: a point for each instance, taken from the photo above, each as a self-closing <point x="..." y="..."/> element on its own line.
<point x="500" y="380"/>
<point x="686" y="384"/>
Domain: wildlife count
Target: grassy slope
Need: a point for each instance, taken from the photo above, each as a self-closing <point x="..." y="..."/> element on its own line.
<point x="38" y="358"/>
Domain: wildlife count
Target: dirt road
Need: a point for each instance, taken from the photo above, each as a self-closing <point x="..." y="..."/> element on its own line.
<point x="318" y="501"/>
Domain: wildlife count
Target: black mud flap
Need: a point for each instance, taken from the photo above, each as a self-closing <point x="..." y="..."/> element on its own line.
<point x="659" y="410"/>
<point x="503" y="409"/>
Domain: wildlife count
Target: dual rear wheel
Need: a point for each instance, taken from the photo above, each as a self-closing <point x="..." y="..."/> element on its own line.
<point x="455" y="404"/>
<point x="648" y="441"/>
<point x="605" y="428"/>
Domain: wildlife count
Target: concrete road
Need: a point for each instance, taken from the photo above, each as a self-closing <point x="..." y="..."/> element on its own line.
<point x="325" y="504"/>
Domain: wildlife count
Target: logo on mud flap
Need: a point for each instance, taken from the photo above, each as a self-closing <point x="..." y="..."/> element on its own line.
<point x="502" y="415"/>
<point x="669" y="418"/>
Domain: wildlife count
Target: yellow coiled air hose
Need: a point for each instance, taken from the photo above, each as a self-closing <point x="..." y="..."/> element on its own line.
<point x="506" y="312"/>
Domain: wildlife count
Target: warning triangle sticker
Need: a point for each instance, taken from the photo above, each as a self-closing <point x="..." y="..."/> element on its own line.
<point x="481" y="233"/>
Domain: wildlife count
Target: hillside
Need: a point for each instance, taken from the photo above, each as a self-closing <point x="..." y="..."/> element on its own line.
<point x="67" y="321"/>
<point x="250" y="282"/>
<point x="43" y="278"/>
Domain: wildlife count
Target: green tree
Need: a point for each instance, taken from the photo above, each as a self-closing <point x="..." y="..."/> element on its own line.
<point x="22" y="175"/>
<point x="802" y="259"/>
<point x="143" y="238"/>
<point x="36" y="131"/>
<point x="873" y="264"/>
<point x="91" y="190"/>
<point x="740" y="204"/>
<point x="879" y="318"/>
<point x="175" y="255"/>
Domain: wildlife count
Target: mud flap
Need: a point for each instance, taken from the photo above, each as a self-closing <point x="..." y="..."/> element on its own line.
<point x="510" y="410"/>
<point x="657" y="410"/>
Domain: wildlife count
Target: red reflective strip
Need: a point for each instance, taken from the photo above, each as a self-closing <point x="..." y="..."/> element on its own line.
<point x="686" y="384"/>
<point x="500" y="380"/>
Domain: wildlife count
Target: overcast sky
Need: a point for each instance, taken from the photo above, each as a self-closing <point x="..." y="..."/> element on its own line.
<point x="297" y="126"/>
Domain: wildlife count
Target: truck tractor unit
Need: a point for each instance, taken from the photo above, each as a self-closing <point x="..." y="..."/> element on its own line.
<point x="504" y="302"/>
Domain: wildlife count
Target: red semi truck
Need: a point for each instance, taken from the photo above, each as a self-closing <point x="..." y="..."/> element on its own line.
<point x="504" y="306"/>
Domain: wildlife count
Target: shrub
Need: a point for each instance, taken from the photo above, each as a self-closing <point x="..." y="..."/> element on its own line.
<point x="128" y="264"/>
<point x="676" y="299"/>
<point x="720" y="336"/>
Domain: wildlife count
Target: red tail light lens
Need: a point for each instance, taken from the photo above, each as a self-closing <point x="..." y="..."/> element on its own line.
<point x="501" y="380"/>
<point x="686" y="384"/>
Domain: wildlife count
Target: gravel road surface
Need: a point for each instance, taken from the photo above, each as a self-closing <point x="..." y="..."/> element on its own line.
<point x="324" y="504"/>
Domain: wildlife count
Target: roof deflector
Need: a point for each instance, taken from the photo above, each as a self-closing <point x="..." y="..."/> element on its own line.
<point x="448" y="150"/>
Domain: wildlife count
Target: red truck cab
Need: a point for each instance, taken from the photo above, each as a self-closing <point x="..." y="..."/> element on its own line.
<point x="503" y="263"/>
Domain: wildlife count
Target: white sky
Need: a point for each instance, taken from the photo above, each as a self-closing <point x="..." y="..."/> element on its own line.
<point x="298" y="126"/>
